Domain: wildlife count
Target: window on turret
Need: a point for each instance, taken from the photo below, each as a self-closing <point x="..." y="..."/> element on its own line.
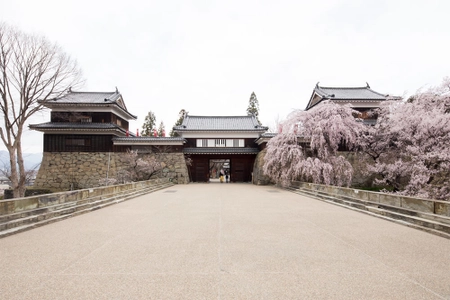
<point x="220" y="142"/>
<point x="85" y="119"/>
<point x="212" y="143"/>
<point x="78" y="142"/>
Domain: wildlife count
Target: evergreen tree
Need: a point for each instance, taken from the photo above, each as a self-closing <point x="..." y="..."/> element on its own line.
<point x="253" y="107"/>
<point x="180" y="120"/>
<point x="149" y="124"/>
<point x="161" y="129"/>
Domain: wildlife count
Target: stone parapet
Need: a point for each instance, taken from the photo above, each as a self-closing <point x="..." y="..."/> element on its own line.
<point x="62" y="171"/>
<point x="16" y="205"/>
<point x="417" y="204"/>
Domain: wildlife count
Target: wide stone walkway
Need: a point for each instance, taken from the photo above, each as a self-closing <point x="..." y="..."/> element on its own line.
<point x="224" y="241"/>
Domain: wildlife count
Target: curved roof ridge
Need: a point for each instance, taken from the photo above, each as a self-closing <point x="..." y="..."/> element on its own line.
<point x="114" y="92"/>
<point x="220" y="116"/>
<point x="91" y="98"/>
<point x="324" y="92"/>
<point x="343" y="88"/>
<point x="220" y="123"/>
<point x="384" y="95"/>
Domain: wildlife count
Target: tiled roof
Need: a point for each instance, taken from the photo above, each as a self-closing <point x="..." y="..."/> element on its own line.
<point x="49" y="126"/>
<point x="369" y="122"/>
<point x="91" y="98"/>
<point x="355" y="94"/>
<point x="345" y="93"/>
<point x="265" y="137"/>
<point x="220" y="123"/>
<point x="268" y="135"/>
<point x="67" y="125"/>
<point x="220" y="150"/>
<point x="146" y="139"/>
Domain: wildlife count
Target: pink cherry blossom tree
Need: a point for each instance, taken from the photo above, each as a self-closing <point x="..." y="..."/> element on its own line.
<point x="139" y="167"/>
<point x="306" y="148"/>
<point x="410" y="144"/>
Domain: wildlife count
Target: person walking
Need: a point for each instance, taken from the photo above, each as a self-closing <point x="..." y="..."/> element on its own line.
<point x="222" y="173"/>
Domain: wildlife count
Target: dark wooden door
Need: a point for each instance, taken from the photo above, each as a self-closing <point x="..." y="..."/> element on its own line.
<point x="200" y="173"/>
<point x="238" y="174"/>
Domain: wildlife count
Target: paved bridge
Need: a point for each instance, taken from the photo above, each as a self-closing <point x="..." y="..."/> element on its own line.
<point x="224" y="241"/>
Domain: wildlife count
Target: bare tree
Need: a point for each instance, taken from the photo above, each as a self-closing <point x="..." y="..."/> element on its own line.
<point x="31" y="69"/>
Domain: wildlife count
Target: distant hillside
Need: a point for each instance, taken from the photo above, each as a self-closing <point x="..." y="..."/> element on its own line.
<point x="32" y="160"/>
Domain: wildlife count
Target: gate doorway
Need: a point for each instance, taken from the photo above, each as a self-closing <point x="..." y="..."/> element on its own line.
<point x="206" y="167"/>
<point x="216" y="165"/>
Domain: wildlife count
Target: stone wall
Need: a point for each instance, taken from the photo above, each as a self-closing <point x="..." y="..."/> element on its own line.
<point x="62" y="171"/>
<point x="174" y="167"/>
<point x="360" y="161"/>
<point x="258" y="175"/>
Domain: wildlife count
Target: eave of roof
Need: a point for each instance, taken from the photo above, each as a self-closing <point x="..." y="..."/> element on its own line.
<point x="220" y="150"/>
<point x="353" y="94"/>
<point x="65" y="126"/>
<point x="219" y="130"/>
<point x="106" y="104"/>
<point x="265" y="137"/>
<point x="148" y="140"/>
<point x="89" y="99"/>
<point x="268" y="135"/>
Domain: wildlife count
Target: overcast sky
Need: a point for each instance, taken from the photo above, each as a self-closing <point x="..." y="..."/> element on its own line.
<point x="209" y="56"/>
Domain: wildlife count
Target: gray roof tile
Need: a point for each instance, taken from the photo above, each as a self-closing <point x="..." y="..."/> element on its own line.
<point x="359" y="94"/>
<point x="143" y="139"/>
<point x="356" y="93"/>
<point x="63" y="126"/>
<point x="220" y="150"/>
<point x="90" y="98"/>
<point x="67" y="125"/>
<point x="268" y="135"/>
<point x="220" y="123"/>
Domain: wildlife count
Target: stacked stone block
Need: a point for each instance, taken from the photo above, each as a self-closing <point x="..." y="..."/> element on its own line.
<point x="60" y="171"/>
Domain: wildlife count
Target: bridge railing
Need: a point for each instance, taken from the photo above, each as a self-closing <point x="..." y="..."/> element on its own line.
<point x="17" y="205"/>
<point x="418" y="204"/>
